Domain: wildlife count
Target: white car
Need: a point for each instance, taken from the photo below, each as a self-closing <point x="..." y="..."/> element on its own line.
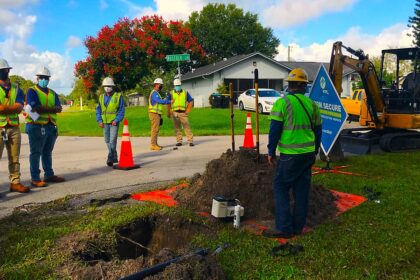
<point x="266" y="99"/>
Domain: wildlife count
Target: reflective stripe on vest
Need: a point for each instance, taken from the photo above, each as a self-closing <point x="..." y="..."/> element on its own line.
<point x="109" y="112"/>
<point x="157" y="108"/>
<point x="8" y="119"/>
<point x="297" y="136"/>
<point x="179" y="100"/>
<point x="46" y="100"/>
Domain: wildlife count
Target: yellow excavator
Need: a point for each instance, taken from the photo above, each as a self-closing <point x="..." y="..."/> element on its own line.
<point x="390" y="116"/>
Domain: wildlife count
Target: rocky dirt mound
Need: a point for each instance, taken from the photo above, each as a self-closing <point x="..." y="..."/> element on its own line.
<point x="248" y="177"/>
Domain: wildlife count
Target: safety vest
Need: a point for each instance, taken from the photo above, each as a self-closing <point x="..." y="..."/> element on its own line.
<point x="297" y="136"/>
<point x="157" y="108"/>
<point x="46" y="100"/>
<point x="179" y="100"/>
<point x="109" y="112"/>
<point x="9" y="119"/>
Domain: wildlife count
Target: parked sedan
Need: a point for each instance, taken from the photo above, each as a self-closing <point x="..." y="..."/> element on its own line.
<point x="266" y="99"/>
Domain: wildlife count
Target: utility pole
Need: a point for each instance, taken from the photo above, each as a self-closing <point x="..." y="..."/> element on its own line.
<point x="81" y="103"/>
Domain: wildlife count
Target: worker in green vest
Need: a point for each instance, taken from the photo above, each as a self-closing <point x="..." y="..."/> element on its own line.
<point x="295" y="130"/>
<point x="180" y="107"/>
<point x="41" y="127"/>
<point x="109" y="114"/>
<point x="156" y="102"/>
<point x="11" y="104"/>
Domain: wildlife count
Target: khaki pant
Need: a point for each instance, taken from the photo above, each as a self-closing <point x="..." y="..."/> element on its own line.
<point x="155" y="125"/>
<point x="13" y="151"/>
<point x="182" y="119"/>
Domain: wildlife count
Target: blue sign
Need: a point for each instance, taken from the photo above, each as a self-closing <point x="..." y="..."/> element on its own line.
<point x="333" y="114"/>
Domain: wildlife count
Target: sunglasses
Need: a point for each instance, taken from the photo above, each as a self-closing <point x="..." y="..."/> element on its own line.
<point x="44" y="78"/>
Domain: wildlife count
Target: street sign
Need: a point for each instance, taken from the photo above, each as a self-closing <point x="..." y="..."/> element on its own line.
<point x="333" y="114"/>
<point x="178" y="57"/>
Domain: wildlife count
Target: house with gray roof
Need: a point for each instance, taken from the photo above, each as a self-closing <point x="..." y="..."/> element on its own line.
<point x="239" y="70"/>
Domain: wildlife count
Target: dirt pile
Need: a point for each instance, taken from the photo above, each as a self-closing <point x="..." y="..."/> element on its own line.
<point x="248" y="177"/>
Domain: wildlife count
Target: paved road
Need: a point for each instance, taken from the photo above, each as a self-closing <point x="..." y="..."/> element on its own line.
<point x="81" y="160"/>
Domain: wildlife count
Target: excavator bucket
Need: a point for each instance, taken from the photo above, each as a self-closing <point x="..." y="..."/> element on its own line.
<point x="360" y="143"/>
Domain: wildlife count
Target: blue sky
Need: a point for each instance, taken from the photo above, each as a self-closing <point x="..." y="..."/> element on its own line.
<point x="51" y="32"/>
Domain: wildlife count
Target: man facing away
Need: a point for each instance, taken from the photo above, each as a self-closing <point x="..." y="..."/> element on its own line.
<point x="42" y="131"/>
<point x="109" y="113"/>
<point x="156" y="103"/>
<point x="180" y="107"/>
<point x="295" y="130"/>
<point x="11" y="104"/>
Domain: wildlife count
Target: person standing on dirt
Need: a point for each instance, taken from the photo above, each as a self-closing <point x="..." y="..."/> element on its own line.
<point x="11" y="104"/>
<point x="109" y="113"/>
<point x="42" y="129"/>
<point x="180" y="107"/>
<point x="295" y="130"/>
<point x="156" y="103"/>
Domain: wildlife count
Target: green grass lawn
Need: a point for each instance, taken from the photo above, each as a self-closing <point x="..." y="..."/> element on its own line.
<point x="203" y="121"/>
<point x="371" y="241"/>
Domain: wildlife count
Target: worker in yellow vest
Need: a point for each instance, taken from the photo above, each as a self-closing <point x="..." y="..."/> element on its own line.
<point x="156" y="102"/>
<point x="11" y="104"/>
<point x="109" y="113"/>
<point x="180" y="107"/>
<point x="295" y="130"/>
<point x="41" y="127"/>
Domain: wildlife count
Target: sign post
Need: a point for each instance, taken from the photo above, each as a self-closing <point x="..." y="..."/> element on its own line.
<point x="332" y="111"/>
<point x="178" y="58"/>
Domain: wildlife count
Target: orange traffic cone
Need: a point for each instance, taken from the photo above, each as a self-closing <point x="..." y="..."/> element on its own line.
<point x="249" y="139"/>
<point x="126" y="155"/>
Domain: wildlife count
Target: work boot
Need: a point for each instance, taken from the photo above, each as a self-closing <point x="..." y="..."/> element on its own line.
<point x="191" y="144"/>
<point x="155" y="148"/>
<point x="19" y="188"/>
<point x="178" y="144"/>
<point x="54" y="179"/>
<point x="109" y="163"/>
<point x="38" y="184"/>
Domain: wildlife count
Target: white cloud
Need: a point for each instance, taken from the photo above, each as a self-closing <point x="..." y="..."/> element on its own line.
<point x="392" y="37"/>
<point x="168" y="9"/>
<point x="73" y="42"/>
<point x="288" y="13"/>
<point x="26" y="59"/>
<point x="103" y="4"/>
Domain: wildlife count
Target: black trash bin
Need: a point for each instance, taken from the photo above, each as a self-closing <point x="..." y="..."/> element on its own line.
<point x="216" y="100"/>
<point x="225" y="101"/>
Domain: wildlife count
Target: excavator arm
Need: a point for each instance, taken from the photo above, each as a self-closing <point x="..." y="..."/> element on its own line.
<point x="364" y="67"/>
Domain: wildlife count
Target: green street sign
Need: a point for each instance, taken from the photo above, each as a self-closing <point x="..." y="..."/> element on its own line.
<point x="178" y="57"/>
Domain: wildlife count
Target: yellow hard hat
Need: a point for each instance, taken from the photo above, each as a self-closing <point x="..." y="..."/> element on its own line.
<point x="298" y="75"/>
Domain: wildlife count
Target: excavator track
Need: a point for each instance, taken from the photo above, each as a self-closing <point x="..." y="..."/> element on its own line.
<point x="400" y="141"/>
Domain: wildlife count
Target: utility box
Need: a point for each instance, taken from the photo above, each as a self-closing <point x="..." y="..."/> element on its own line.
<point x="223" y="207"/>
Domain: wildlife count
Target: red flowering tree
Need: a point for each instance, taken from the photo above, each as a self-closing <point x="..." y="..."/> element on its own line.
<point x="130" y="49"/>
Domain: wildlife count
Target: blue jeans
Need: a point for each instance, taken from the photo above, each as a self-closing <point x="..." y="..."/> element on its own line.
<point x="111" y="135"/>
<point x="41" y="143"/>
<point x="293" y="171"/>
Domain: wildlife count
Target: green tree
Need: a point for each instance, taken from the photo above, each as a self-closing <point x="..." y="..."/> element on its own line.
<point x="414" y="22"/>
<point x="225" y="31"/>
<point x="22" y="82"/>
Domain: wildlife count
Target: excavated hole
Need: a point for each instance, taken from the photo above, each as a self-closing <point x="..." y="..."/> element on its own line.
<point x="148" y="236"/>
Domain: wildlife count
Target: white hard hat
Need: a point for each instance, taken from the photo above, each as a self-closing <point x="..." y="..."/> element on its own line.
<point x="4" y="64"/>
<point x="177" y="82"/>
<point x="108" y="82"/>
<point x="43" y="71"/>
<point x="158" y="81"/>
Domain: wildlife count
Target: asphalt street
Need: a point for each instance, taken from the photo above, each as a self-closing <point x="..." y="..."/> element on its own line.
<point x="81" y="160"/>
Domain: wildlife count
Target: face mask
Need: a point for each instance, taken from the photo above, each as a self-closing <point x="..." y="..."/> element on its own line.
<point x="43" y="83"/>
<point x="4" y="75"/>
<point x="177" y="88"/>
<point x="108" y="89"/>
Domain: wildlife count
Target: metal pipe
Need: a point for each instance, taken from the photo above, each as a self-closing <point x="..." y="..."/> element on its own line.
<point x="232" y="116"/>
<point x="256" y="111"/>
